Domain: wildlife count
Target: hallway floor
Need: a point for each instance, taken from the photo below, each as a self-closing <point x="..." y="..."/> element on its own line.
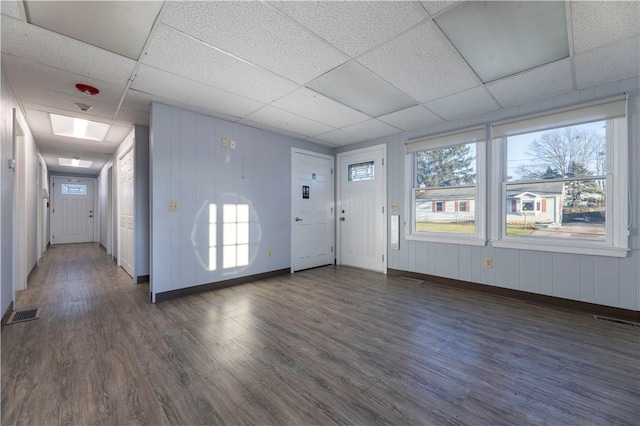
<point x="328" y="345"/>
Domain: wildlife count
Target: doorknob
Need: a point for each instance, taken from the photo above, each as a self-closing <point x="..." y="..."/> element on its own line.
<point x="298" y="219"/>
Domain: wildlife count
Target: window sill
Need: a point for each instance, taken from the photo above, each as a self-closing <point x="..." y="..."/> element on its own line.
<point x="447" y="239"/>
<point x="583" y="248"/>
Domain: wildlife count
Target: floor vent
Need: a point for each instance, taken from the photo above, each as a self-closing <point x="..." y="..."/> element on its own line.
<point x="411" y="280"/>
<point x="24" y="315"/>
<point x="617" y="321"/>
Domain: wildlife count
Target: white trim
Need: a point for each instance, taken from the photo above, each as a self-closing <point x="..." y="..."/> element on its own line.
<point x="547" y="245"/>
<point x="446" y="238"/>
<point x="294" y="193"/>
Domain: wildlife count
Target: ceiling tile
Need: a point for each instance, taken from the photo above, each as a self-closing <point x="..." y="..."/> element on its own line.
<point x="26" y="73"/>
<point x="116" y="134"/>
<point x="315" y="106"/>
<point x="182" y="55"/>
<point x="470" y="102"/>
<point x="285" y="120"/>
<point x="622" y="60"/>
<point x="134" y="116"/>
<point x="10" y="8"/>
<point x="40" y="45"/>
<point x="338" y="137"/>
<point x="370" y="129"/>
<point x="421" y="63"/>
<point x="169" y="86"/>
<point x="38" y="121"/>
<point x="548" y="80"/>
<point x="412" y="118"/>
<point x="355" y="27"/>
<point x="121" y="27"/>
<point x="435" y="6"/>
<point x="258" y="33"/>
<point x="598" y="23"/>
<point x="321" y="142"/>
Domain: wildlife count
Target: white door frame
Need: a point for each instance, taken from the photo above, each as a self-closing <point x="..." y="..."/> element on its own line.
<point x="294" y="193"/>
<point x="19" y="263"/>
<point x="384" y="199"/>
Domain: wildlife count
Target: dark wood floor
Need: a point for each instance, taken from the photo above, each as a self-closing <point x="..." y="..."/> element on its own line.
<point x="329" y="345"/>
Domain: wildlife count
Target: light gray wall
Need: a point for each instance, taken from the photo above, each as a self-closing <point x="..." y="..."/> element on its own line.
<point x="8" y="101"/>
<point x="141" y="194"/>
<point x="596" y="279"/>
<point x="189" y="166"/>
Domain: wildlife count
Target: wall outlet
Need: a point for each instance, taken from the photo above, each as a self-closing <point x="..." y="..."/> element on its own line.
<point x="173" y="206"/>
<point x="232" y="144"/>
<point x="488" y="262"/>
<point x="224" y="143"/>
<point x="269" y="254"/>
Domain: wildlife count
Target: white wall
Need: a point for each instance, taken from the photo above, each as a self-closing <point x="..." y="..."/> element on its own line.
<point x="189" y="166"/>
<point x="8" y="101"/>
<point x="603" y="280"/>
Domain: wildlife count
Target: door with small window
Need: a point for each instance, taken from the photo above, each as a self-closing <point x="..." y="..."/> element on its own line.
<point x="72" y="210"/>
<point x="362" y="217"/>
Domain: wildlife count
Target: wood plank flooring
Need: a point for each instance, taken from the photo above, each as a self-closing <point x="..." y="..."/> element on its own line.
<point x="324" y="346"/>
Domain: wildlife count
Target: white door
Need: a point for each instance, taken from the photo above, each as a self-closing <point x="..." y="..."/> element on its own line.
<point x="125" y="207"/>
<point x="362" y="224"/>
<point x="312" y="210"/>
<point x="71" y="210"/>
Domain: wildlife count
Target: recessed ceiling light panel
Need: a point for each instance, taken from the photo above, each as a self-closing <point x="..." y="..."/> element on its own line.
<point x="501" y="38"/>
<point x="74" y="162"/>
<point x="62" y="125"/>
<point x="353" y="85"/>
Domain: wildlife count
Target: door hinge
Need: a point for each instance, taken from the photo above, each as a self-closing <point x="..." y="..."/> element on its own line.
<point x="331" y="249"/>
<point x="331" y="209"/>
<point x="331" y="171"/>
<point x="382" y="209"/>
<point x="383" y="161"/>
<point x="53" y="237"/>
<point x="383" y="257"/>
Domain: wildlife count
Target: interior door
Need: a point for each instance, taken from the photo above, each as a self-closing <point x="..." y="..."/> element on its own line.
<point x="72" y="210"/>
<point x="361" y="210"/>
<point x="126" y="206"/>
<point x="312" y="210"/>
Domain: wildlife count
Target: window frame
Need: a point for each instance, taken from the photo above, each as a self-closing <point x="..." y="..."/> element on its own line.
<point x="616" y="243"/>
<point x="477" y="135"/>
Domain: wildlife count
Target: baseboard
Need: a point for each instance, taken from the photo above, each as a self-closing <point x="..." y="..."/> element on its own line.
<point x="173" y="294"/>
<point x="626" y="314"/>
<point x="142" y="279"/>
<point x="7" y="314"/>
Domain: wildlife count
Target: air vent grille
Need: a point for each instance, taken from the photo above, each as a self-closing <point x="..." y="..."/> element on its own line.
<point x="617" y="321"/>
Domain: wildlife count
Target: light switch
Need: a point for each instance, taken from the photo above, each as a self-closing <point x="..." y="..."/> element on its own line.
<point x="224" y="143"/>
<point x="232" y="144"/>
<point x="173" y="206"/>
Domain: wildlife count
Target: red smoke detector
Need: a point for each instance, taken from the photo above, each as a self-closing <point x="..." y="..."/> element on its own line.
<point x="87" y="90"/>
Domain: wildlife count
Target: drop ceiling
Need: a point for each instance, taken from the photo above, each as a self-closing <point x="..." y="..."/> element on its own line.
<point x="261" y="64"/>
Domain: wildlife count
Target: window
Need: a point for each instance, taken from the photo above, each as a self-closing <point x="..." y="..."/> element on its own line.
<point x="361" y="171"/>
<point x="446" y="174"/>
<point x="557" y="178"/>
<point x="235" y="238"/>
<point x="73" y="189"/>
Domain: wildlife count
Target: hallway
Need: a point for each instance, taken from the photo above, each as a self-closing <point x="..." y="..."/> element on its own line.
<point x="328" y="345"/>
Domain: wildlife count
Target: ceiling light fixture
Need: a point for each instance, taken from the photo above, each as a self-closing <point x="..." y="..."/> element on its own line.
<point x="87" y="90"/>
<point x="502" y="38"/>
<point x="63" y="125"/>
<point x="74" y="162"/>
<point x="353" y="85"/>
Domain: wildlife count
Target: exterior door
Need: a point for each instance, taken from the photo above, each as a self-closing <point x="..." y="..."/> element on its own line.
<point x="312" y="210"/>
<point x="126" y="203"/>
<point x="72" y="210"/>
<point x="362" y="225"/>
